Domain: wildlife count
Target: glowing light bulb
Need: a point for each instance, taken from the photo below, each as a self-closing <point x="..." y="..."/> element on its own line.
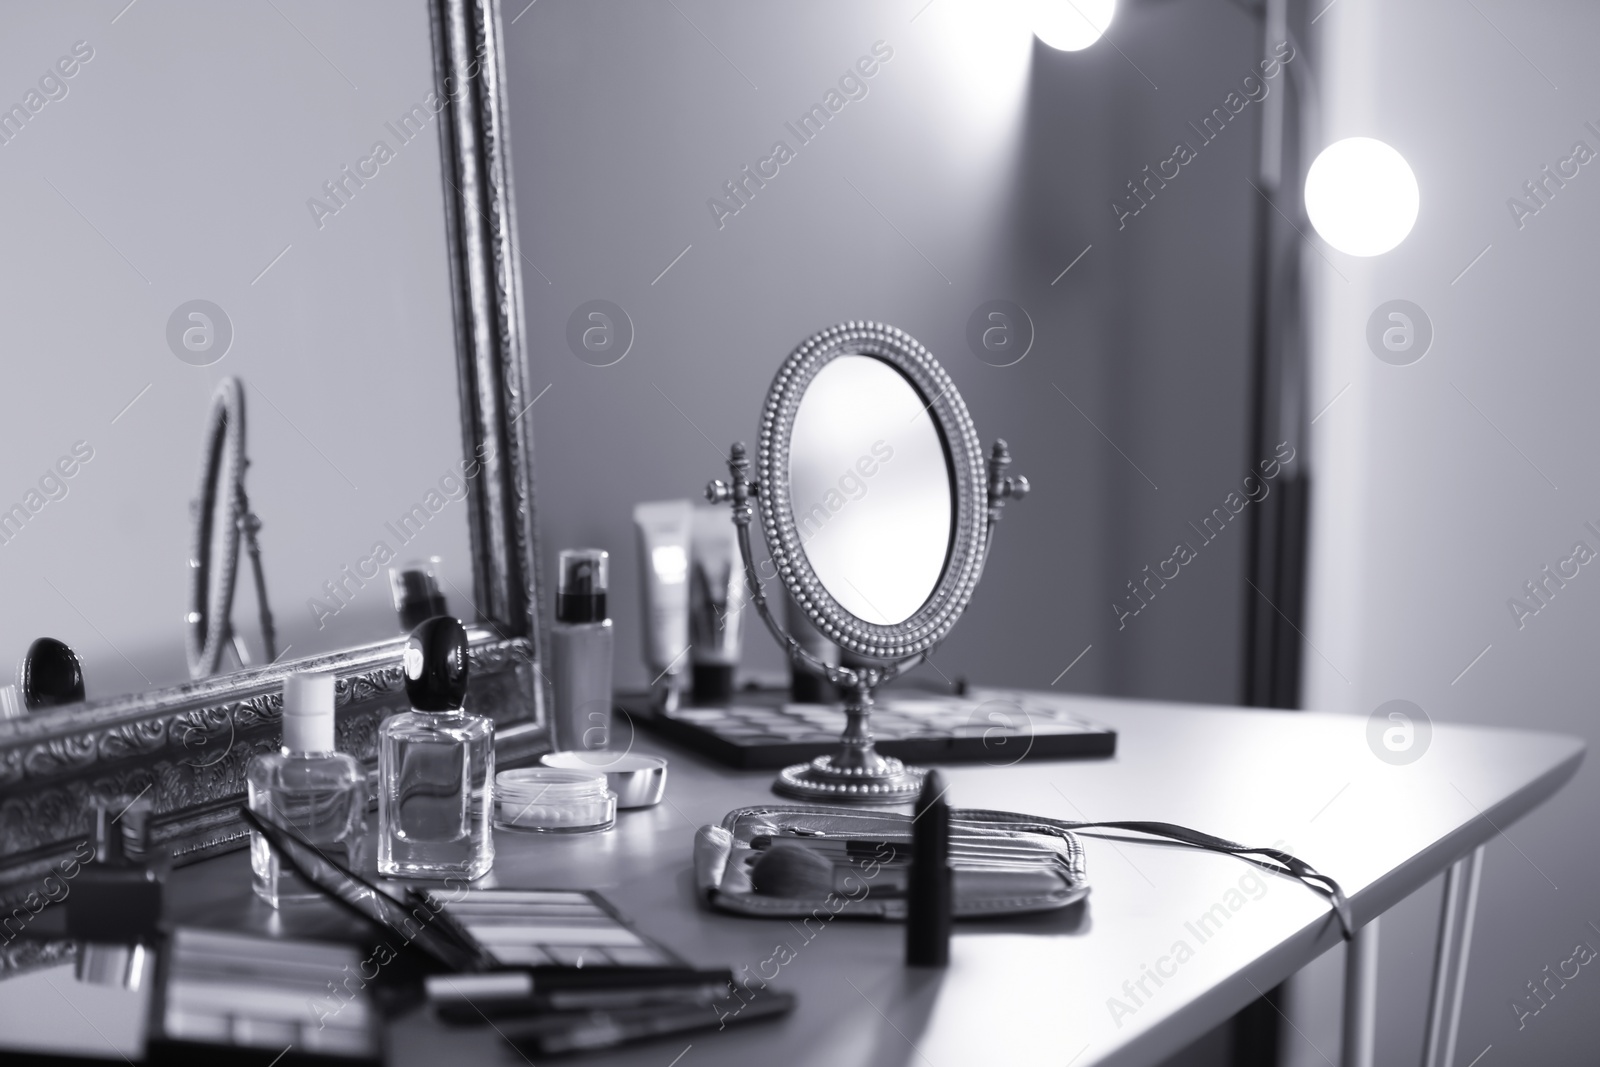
<point x="1361" y="196"/>
<point x="1070" y="25"/>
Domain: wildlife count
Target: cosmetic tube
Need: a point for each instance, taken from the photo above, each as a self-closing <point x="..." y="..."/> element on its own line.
<point x="716" y="603"/>
<point x="930" y="896"/>
<point x="805" y="685"/>
<point x="415" y="587"/>
<point x="663" y="528"/>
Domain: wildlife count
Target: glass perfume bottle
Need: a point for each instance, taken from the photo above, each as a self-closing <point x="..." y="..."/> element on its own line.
<point x="581" y="645"/>
<point x="307" y="787"/>
<point x="436" y="766"/>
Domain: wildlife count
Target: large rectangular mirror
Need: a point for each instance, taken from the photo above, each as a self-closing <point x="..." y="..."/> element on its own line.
<point x="262" y="346"/>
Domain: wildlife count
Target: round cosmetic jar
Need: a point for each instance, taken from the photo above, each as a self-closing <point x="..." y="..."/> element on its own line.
<point x="639" y="781"/>
<point x="553" y="800"/>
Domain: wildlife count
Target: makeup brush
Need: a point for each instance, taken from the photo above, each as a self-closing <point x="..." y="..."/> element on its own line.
<point x="929" y="893"/>
<point x="792" y="870"/>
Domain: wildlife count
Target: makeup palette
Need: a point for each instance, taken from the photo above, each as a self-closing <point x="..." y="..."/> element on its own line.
<point x="249" y="999"/>
<point x="761" y="729"/>
<point x="545" y="928"/>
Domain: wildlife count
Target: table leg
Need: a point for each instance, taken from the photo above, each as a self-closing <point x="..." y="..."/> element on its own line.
<point x="1450" y="962"/>
<point x="1360" y="997"/>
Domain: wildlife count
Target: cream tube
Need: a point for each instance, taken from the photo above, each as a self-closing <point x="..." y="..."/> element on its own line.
<point x="716" y="603"/>
<point x="806" y="687"/>
<point x="664" y="529"/>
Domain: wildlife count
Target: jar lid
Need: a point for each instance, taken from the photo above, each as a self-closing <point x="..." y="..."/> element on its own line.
<point x="549" y="785"/>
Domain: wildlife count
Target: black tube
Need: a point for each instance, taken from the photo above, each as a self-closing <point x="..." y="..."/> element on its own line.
<point x="930" y="888"/>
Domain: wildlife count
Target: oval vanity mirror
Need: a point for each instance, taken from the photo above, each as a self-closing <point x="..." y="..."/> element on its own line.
<point x="878" y="508"/>
<point x="870" y="489"/>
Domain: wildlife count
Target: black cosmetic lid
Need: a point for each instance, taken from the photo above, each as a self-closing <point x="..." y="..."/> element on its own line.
<point x="51" y="675"/>
<point x="436" y="662"/>
<point x="581" y="585"/>
<point x="712" y="683"/>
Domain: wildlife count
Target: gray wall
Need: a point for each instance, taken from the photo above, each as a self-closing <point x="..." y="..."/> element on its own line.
<point x="982" y="165"/>
<point x="178" y="165"/>
<point x="1446" y="485"/>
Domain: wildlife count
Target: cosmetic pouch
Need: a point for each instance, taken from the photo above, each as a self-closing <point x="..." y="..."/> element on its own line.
<point x="1003" y="863"/>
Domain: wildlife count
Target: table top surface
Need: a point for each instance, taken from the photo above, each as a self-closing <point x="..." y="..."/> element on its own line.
<point x="1070" y="987"/>
<point x="1040" y="989"/>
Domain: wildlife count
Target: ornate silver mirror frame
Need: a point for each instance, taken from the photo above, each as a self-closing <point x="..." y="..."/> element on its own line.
<point x="857" y="771"/>
<point x="186" y="747"/>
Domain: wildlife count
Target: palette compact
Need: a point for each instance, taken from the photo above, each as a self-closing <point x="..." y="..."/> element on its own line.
<point x="551" y="928"/>
<point x="258" y="999"/>
<point x="557" y="970"/>
<point x="762" y="729"/>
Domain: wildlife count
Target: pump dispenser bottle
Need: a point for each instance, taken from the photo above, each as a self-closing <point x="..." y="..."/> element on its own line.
<point x="435" y="766"/>
<point x="309" y="788"/>
<point x="581" y="653"/>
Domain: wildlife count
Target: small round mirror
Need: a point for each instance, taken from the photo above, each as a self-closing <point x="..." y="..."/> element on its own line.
<point x="870" y="489"/>
<point x="878" y="507"/>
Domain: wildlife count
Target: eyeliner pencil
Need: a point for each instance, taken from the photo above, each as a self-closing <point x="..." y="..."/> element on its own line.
<point x="929" y="884"/>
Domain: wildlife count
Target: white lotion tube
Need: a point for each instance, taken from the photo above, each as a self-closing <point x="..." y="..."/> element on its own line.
<point x="716" y="603"/>
<point x="664" y="534"/>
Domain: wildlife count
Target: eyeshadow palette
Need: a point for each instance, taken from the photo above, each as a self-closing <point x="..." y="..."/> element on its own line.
<point x="552" y="928"/>
<point x="761" y="730"/>
<point x="249" y="999"/>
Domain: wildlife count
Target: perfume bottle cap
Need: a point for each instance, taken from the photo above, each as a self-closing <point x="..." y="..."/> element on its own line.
<point x="122" y="829"/>
<point x="308" y="712"/>
<point x="436" y="663"/>
<point x="51" y="675"/>
<point x="581" y="587"/>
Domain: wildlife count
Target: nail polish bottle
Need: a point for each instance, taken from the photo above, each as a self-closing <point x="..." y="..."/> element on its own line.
<point x="436" y="766"/>
<point x="581" y="653"/>
<point x="307" y="787"/>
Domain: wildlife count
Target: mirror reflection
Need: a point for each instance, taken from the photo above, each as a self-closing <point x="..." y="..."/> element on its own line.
<point x="268" y="208"/>
<point x="870" y="486"/>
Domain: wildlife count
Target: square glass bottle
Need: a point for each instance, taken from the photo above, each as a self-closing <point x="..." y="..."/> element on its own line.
<point x="436" y="766"/>
<point x="309" y="788"/>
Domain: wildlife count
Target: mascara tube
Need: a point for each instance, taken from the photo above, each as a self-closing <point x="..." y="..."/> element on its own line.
<point x="930" y="890"/>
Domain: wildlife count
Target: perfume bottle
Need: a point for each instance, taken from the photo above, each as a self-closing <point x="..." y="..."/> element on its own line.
<point x="435" y="766"/>
<point x="308" y="787"/>
<point x="580" y="653"/>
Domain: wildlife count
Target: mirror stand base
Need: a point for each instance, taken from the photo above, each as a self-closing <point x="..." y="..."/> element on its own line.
<point x="821" y="780"/>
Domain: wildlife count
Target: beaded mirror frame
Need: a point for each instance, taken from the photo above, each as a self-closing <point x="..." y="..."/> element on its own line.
<point x="856" y="771"/>
<point x="964" y="556"/>
<point x="185" y="747"/>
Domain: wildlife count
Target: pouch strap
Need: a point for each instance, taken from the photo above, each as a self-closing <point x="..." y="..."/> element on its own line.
<point x="1271" y="858"/>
